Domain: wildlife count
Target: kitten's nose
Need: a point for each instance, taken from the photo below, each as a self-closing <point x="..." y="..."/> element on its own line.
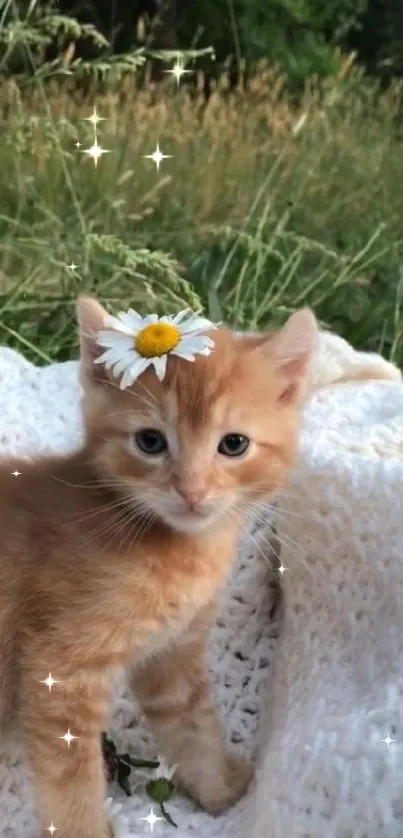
<point x="192" y="495"/>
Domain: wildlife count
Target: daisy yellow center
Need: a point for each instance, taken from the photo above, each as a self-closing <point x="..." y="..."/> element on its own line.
<point x="157" y="339"/>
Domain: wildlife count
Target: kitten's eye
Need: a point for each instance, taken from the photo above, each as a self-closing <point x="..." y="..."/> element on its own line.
<point x="233" y="445"/>
<point x="151" y="441"/>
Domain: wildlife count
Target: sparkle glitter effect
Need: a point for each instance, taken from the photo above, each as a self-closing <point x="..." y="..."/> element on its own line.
<point x="52" y="828"/>
<point x="152" y="819"/>
<point x="94" y="119"/>
<point x="282" y="568"/>
<point x="157" y="157"/>
<point x="178" y="70"/>
<point x="388" y="741"/>
<point x="95" y="150"/>
<point x="68" y="737"/>
<point x="72" y="267"/>
<point x="49" y="681"/>
<point x="16" y="473"/>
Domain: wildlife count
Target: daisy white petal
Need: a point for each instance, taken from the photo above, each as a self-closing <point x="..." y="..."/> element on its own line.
<point x="118" y="822"/>
<point x="114" y="339"/>
<point x="125" y="361"/>
<point x="193" y="343"/>
<point x="195" y="324"/>
<point x="131" y="318"/>
<point x="150" y="318"/>
<point x="164" y="770"/>
<point x="117" y="325"/>
<point x="183" y="353"/>
<point x="133" y="372"/>
<point x="160" y="365"/>
<point x="180" y="316"/>
<point x="111" y="357"/>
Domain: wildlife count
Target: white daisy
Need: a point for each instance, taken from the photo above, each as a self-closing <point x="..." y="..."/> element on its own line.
<point x="118" y="824"/>
<point x="164" y="770"/>
<point x="134" y="343"/>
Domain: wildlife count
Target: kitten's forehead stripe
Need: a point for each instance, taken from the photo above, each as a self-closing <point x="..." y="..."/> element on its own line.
<point x="170" y="407"/>
<point x="196" y="394"/>
<point x="226" y="388"/>
<point x="198" y="387"/>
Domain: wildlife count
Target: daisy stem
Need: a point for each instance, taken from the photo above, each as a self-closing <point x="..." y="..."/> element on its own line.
<point x="138" y="763"/>
<point x="167" y="816"/>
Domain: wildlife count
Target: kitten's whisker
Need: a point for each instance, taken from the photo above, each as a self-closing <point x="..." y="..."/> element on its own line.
<point x="295" y="495"/>
<point x="112" y="525"/>
<point x="134" y="414"/>
<point x="276" y="520"/>
<point x="261" y="552"/>
<point x="145" y="526"/>
<point x="285" y="541"/>
<point x="120" y="500"/>
<point x="149" y="393"/>
<point x="117" y="520"/>
<point x="134" y="521"/>
<point x="153" y="403"/>
<point x="80" y="517"/>
<point x="97" y="483"/>
<point x="255" y="511"/>
<point x="292" y="546"/>
<point x="137" y="396"/>
<point x="277" y="512"/>
<point x="279" y="494"/>
<point x="137" y="517"/>
<point x="296" y="528"/>
<point x="272" y="505"/>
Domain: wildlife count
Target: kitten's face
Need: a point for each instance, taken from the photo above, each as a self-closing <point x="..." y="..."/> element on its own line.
<point x="209" y="441"/>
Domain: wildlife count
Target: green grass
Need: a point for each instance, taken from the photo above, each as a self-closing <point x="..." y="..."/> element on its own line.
<point x="249" y="219"/>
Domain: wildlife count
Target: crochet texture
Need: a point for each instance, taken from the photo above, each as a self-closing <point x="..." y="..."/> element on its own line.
<point x="324" y="770"/>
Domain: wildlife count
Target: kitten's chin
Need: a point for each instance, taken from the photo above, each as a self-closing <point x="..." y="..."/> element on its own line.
<point x="189" y="522"/>
<point x="177" y="516"/>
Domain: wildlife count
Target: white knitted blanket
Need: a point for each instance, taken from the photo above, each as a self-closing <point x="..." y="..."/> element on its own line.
<point x="324" y="770"/>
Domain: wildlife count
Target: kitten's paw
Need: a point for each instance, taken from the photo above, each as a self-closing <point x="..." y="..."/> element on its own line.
<point x="233" y="783"/>
<point x="118" y="824"/>
<point x="219" y="788"/>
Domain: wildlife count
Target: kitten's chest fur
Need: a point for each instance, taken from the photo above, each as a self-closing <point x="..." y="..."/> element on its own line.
<point x="155" y="593"/>
<point x="81" y="595"/>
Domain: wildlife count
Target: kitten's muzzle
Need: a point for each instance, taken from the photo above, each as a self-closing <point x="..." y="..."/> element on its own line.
<point x="193" y="496"/>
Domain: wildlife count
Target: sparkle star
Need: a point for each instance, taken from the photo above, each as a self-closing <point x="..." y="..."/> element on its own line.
<point x="94" y="118"/>
<point x="388" y="741"/>
<point x="68" y="738"/>
<point x="282" y="568"/>
<point x="72" y="267"/>
<point x="95" y="151"/>
<point x="178" y="70"/>
<point x="52" y="828"/>
<point x="157" y="157"/>
<point x="16" y="473"/>
<point x="78" y="144"/>
<point x="49" y="681"/>
<point x="152" y="819"/>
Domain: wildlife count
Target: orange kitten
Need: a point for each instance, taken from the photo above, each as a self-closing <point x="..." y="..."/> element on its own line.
<point x="113" y="556"/>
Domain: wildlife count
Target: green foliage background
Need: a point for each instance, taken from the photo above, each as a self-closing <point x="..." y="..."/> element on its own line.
<point x="299" y="35"/>
<point x="304" y="37"/>
<point x="281" y="188"/>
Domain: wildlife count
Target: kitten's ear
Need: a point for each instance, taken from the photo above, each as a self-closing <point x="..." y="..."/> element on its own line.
<point x="91" y="319"/>
<point x="294" y="344"/>
<point x="292" y="348"/>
